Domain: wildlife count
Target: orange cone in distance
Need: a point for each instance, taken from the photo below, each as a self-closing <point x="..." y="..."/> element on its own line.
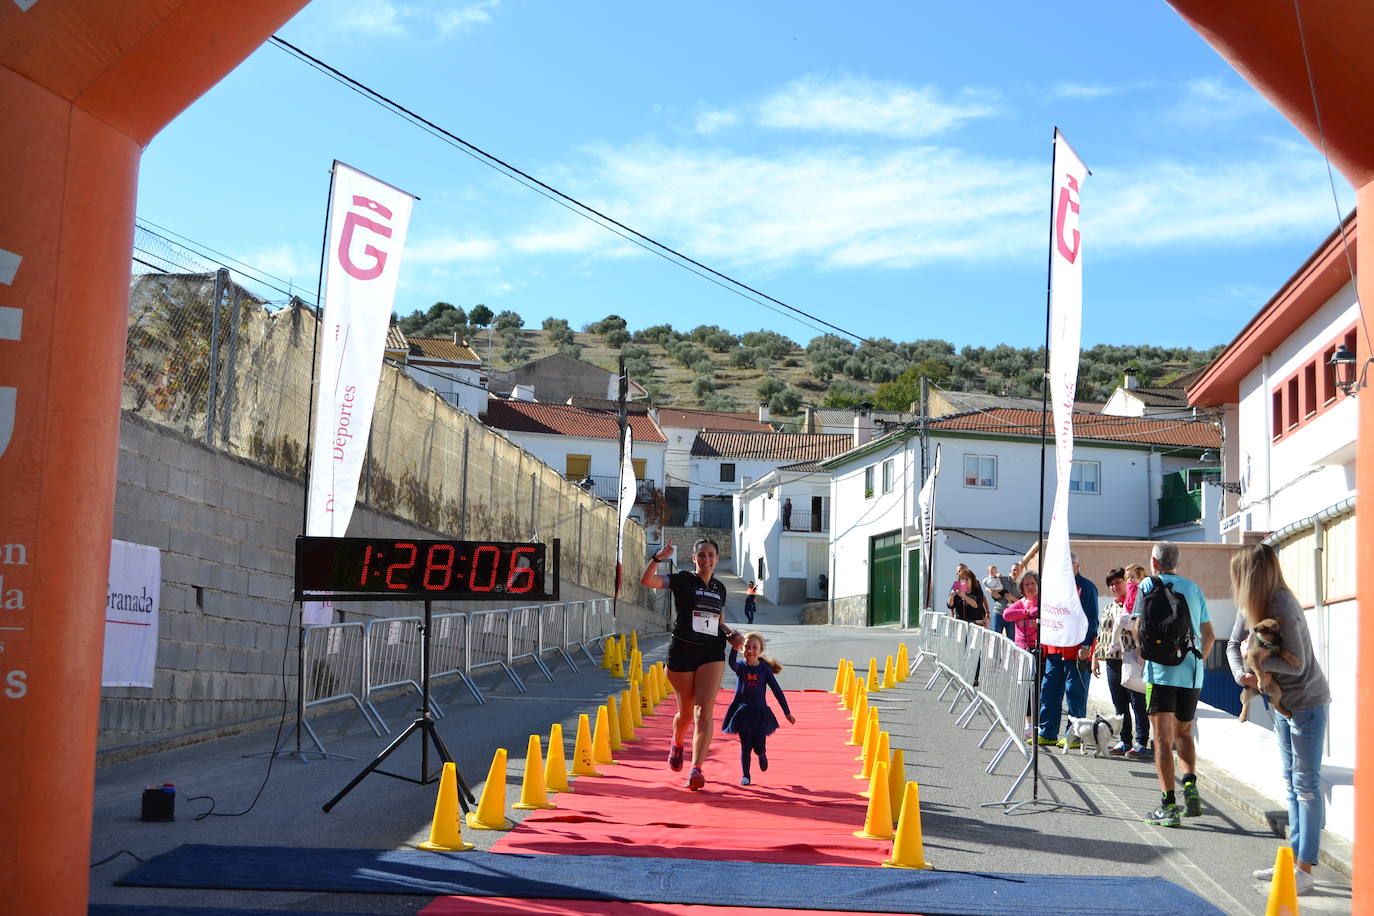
<point x="870" y="754"/>
<point x="445" y="833"/>
<point x="851" y="687"/>
<point x="634" y="641"/>
<point x="1283" y="887"/>
<point x="638" y="699"/>
<point x="627" y="718"/>
<point x="607" y="653"/>
<point x="613" y="723"/>
<point x="896" y="781"/>
<point x="856" y="735"/>
<point x="878" y="821"/>
<point x="601" y="737"/>
<point x="556" y="765"/>
<point x="903" y="663"/>
<point x="583" y="764"/>
<point x="880" y="755"/>
<point x="839" y="678"/>
<point x="533" y="792"/>
<point x="889" y="675"/>
<point x="873" y="683"/>
<point x="491" y="807"/>
<point x="907" y="849"/>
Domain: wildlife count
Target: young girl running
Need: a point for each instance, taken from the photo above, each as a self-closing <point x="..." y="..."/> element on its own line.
<point x="749" y="714"/>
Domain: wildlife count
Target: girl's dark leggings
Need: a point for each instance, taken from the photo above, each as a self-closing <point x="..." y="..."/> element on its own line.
<point x="757" y="744"/>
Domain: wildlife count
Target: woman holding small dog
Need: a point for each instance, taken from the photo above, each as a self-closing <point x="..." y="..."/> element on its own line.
<point x="1261" y="594"/>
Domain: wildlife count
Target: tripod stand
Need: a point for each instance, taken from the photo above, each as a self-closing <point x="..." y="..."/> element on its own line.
<point x="425" y="725"/>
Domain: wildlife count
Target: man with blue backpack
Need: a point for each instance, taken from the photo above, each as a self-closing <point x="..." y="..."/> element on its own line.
<point x="1175" y="635"/>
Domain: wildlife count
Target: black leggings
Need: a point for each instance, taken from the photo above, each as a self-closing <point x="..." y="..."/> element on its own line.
<point x="757" y="744"/>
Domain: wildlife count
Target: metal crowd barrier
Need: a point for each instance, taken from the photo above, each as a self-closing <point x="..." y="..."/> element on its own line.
<point x="332" y="668"/>
<point x="524" y="637"/>
<point x="489" y="643"/>
<point x="393" y="659"/>
<point x="553" y="632"/>
<point x="448" y="652"/>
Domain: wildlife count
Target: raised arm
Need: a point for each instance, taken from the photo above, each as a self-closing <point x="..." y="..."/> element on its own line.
<point x="651" y="578"/>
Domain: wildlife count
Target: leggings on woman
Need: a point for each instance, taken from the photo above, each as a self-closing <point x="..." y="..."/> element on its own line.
<point x="757" y="744"/>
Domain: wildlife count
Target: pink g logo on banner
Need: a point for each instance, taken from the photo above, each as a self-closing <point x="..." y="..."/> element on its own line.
<point x="1066" y="205"/>
<point x="353" y="221"/>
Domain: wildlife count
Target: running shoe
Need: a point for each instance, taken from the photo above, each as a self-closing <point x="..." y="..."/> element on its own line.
<point x="675" y="757"/>
<point x="1073" y="744"/>
<point x="1140" y="752"/>
<point x="744" y="780"/>
<point x="1264" y="874"/>
<point x="695" y="780"/>
<point x="1166" y="816"/>
<point x="1118" y="750"/>
<point x="1043" y="741"/>
<point x="1192" y="802"/>
<point x="1302" y="881"/>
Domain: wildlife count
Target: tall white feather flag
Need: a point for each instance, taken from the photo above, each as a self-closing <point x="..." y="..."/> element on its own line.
<point x="1062" y="618"/>
<point x="628" y="489"/>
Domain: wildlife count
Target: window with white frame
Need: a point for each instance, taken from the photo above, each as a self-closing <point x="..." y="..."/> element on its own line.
<point x="980" y="471"/>
<point x="1086" y="477"/>
<point x="868" y="483"/>
<point x="887" y="475"/>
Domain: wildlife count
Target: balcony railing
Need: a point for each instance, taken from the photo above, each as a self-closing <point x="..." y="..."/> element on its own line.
<point x="806" y="520"/>
<point x="608" y="488"/>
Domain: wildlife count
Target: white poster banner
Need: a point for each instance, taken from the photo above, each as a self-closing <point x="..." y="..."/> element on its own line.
<point x="131" y="615"/>
<point x="1062" y="620"/>
<point x="368" y="220"/>
<point x="628" y="489"/>
<point x="926" y="501"/>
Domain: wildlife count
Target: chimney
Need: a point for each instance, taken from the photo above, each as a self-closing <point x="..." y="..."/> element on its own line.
<point x="1129" y="383"/>
<point x="522" y="393"/>
<point x="763" y="411"/>
<point x="863" y="428"/>
<point x="809" y="420"/>
<point x="457" y="339"/>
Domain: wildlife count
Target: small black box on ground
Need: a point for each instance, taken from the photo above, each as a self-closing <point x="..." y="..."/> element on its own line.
<point x="159" y="803"/>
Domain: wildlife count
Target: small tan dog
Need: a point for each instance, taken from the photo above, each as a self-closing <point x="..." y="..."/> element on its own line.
<point x="1265" y="640"/>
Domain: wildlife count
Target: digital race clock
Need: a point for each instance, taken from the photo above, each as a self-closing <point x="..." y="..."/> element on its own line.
<point x="380" y="569"/>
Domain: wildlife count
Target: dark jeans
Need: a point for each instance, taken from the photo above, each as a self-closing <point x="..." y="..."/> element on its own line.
<point x="1001" y="625"/>
<point x="1126" y="702"/>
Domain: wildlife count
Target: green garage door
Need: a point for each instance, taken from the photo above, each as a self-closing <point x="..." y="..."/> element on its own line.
<point x="885" y="579"/>
<point x="913" y="588"/>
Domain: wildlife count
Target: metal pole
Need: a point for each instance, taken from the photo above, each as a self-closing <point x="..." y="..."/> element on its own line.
<point x="221" y="280"/>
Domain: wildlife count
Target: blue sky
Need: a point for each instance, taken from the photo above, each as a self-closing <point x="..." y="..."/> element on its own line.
<point x="882" y="165"/>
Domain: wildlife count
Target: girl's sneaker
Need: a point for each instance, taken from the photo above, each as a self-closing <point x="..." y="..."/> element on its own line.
<point x="763" y="762"/>
<point x="744" y="780"/>
<point x="695" y="780"/>
<point x="675" y="758"/>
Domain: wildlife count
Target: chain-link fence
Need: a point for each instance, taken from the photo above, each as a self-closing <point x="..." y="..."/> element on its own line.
<point x="208" y="358"/>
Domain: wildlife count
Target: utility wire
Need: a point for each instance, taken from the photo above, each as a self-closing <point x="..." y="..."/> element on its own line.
<point x="589" y="212"/>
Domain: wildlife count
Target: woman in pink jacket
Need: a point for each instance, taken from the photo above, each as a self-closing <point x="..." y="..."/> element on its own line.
<point x="1024" y="616"/>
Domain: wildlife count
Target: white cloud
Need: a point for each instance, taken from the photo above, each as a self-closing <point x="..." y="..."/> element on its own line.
<point x="1206" y="102"/>
<point x="285" y="263"/>
<point x="1084" y="91"/>
<point x="446" y="249"/>
<point x="370" y="19"/>
<point x="711" y="121"/>
<point x="459" y="19"/>
<point x="866" y="106"/>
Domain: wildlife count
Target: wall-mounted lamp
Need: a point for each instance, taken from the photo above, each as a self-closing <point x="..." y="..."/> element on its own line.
<point x="1342" y="366"/>
<point x="1208" y="457"/>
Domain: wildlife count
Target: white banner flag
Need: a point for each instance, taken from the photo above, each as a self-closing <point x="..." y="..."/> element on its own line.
<point x="368" y="220"/>
<point x="926" y="501"/>
<point x="131" y="614"/>
<point x="1062" y="620"/>
<point x="628" y="490"/>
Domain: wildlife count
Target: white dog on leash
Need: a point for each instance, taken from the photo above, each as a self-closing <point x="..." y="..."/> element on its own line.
<point x="1100" y="732"/>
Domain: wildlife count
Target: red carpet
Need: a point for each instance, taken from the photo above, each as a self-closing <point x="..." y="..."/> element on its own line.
<point x="804" y="810"/>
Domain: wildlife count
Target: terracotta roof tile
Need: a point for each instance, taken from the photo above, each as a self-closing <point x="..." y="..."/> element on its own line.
<point x="395" y="339"/>
<point x="790" y="447"/>
<point x="1197" y="433"/>
<point x="442" y="348"/>
<point x="714" y="420"/>
<point x="566" y="420"/>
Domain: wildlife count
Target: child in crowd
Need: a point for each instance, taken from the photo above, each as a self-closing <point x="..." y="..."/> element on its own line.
<point x="749" y="714"/>
<point x="1135" y="574"/>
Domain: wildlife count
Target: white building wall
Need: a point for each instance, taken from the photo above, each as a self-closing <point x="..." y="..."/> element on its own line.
<point x="704" y="479"/>
<point x="457" y="385"/>
<point x="855" y="519"/>
<point x="605" y="453"/>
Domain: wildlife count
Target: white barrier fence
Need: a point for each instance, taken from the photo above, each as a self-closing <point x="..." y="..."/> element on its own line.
<point x="354" y="661"/>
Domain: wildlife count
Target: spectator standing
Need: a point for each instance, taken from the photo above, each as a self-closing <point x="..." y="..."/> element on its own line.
<point x="1024" y="614"/>
<point x="751" y="601"/>
<point x="966" y="599"/>
<point x="1261" y="593"/>
<point x="1172" y="691"/>
<point x="787" y="514"/>
<point x="1114" y="637"/>
<point x="1066" y="670"/>
<point x="1001" y="591"/>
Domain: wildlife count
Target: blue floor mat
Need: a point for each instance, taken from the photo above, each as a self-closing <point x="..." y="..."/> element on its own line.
<point x="660" y="880"/>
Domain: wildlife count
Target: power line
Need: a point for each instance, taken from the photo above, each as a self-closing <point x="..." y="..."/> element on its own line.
<point x="587" y="211"/>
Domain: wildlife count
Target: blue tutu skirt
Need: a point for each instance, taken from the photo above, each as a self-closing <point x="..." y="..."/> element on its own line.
<point x="744" y="719"/>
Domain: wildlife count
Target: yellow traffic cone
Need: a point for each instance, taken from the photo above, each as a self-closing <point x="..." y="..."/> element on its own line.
<point x="583" y="764"/>
<point x="870" y="755"/>
<point x="851" y="687"/>
<point x="903" y="663"/>
<point x="1283" y="887"/>
<point x="896" y="780"/>
<point x="607" y="653"/>
<point x="889" y="676"/>
<point x="634" y="641"/>
<point x="870" y="730"/>
<point x="613" y="724"/>
<point x="618" y="664"/>
<point x="846" y="675"/>
<point x="639" y="700"/>
<point x="491" y="807"/>
<point x="839" y="678"/>
<point x="856" y="736"/>
<point x="445" y="833"/>
<point x="906" y="849"/>
<point x="880" y="755"/>
<point x="533" y="793"/>
<point x="601" y="737"/>
<point x="556" y="766"/>
<point x="627" y="717"/>
<point x="878" y="820"/>
<point x="873" y="683"/>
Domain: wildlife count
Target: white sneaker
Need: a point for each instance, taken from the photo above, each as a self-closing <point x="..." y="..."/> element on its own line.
<point x="1303" y="882"/>
<point x="1264" y="874"/>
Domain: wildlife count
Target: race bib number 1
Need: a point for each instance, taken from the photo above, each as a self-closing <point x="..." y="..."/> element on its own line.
<point x="706" y="622"/>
